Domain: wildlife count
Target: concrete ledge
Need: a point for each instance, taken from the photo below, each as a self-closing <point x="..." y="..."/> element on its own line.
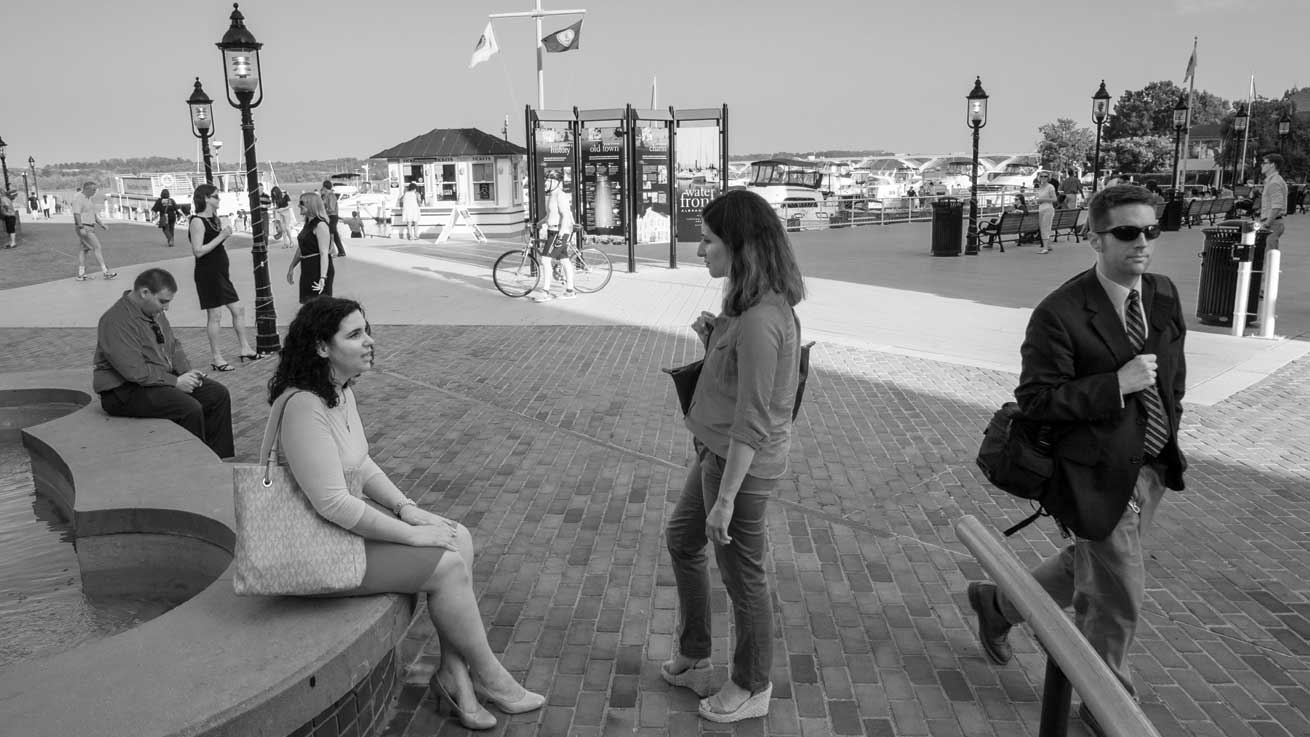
<point x="218" y="664"/>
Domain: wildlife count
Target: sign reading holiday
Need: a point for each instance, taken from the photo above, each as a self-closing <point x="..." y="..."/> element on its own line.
<point x="554" y="153"/>
<point x="653" y="182"/>
<point x="602" y="181"/>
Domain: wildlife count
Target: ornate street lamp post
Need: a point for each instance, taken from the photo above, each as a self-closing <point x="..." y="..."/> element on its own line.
<point x="202" y="124"/>
<point x="245" y="91"/>
<point x="1180" y="122"/>
<point x="1239" y="127"/>
<point x="976" y="116"/>
<point x="3" y="164"/>
<point x="1100" y="111"/>
<point x="36" y="190"/>
<point x="1284" y="129"/>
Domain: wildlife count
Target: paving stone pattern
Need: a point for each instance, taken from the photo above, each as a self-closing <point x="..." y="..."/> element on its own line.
<point x="562" y="449"/>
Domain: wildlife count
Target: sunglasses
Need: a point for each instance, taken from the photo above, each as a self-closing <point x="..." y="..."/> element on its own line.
<point x="1130" y="233"/>
<point x="159" y="334"/>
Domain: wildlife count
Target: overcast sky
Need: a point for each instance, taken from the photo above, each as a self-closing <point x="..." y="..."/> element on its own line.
<point x="91" y="80"/>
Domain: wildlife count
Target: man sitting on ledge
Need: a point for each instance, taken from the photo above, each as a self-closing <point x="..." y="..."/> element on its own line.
<point x="142" y="371"/>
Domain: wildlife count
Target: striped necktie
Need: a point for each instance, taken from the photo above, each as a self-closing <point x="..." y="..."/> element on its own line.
<point x="1157" y="425"/>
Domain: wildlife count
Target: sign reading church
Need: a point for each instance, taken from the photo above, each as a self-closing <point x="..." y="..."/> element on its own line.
<point x="462" y="169"/>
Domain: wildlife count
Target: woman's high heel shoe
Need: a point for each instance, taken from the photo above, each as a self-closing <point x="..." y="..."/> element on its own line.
<point x="222" y="367"/>
<point x="527" y="702"/>
<point x="249" y="357"/>
<point x="448" y="706"/>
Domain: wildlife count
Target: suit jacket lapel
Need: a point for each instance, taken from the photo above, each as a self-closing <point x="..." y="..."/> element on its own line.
<point x="1104" y="319"/>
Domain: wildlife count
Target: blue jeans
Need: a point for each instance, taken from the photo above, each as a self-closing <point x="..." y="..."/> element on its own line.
<point x="741" y="563"/>
<point x="1104" y="580"/>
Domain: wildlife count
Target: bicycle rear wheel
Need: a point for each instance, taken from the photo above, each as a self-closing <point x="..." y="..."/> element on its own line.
<point x="591" y="270"/>
<point x="515" y="273"/>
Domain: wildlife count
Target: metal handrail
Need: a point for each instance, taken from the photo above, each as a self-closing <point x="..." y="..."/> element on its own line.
<point x="1070" y="660"/>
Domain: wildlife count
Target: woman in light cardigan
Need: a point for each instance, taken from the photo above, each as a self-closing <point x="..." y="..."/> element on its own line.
<point x="407" y="549"/>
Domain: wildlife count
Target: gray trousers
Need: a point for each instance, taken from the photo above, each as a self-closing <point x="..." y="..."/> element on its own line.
<point x="741" y="564"/>
<point x="1104" y="580"/>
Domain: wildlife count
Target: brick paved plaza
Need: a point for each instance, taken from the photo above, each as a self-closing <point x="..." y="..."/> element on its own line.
<point x="553" y="435"/>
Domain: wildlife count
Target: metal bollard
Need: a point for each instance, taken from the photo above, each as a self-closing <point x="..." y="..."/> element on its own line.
<point x="1267" y="316"/>
<point x="1243" y="255"/>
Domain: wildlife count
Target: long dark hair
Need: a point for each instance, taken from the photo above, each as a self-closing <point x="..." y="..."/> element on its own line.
<point x="299" y="366"/>
<point x="200" y="197"/>
<point x="762" y="257"/>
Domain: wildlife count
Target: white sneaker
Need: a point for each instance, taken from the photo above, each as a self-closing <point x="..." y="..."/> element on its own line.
<point x="542" y="297"/>
<point x="568" y="294"/>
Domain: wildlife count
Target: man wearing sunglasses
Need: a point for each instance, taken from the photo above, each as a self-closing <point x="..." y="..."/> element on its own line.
<point x="142" y="371"/>
<point x="1273" y="199"/>
<point x="1103" y="365"/>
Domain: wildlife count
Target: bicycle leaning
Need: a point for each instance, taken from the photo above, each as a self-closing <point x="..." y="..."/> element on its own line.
<point x="518" y="272"/>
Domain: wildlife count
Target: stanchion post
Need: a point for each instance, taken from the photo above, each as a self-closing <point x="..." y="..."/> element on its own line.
<point x="1268" y="306"/>
<point x="1243" y="256"/>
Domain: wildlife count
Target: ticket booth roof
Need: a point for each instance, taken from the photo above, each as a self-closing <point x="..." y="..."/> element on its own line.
<point x="449" y="143"/>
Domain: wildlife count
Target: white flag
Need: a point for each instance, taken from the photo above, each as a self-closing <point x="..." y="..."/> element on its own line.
<point x="485" y="48"/>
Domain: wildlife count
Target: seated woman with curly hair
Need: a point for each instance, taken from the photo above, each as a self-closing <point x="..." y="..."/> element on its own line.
<point x="408" y="549"/>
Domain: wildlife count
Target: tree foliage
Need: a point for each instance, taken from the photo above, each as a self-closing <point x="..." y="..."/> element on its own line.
<point x="1138" y="154"/>
<point x="1064" y="145"/>
<point x="1150" y="111"/>
<point x="1262" y="137"/>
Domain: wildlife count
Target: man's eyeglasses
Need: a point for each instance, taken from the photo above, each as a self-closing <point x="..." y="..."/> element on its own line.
<point x="1130" y="233"/>
<point x="159" y="334"/>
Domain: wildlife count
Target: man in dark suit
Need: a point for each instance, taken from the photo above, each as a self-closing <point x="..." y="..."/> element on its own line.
<point x="1103" y="364"/>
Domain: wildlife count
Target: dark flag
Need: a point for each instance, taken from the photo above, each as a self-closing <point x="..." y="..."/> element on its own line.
<point x="563" y="40"/>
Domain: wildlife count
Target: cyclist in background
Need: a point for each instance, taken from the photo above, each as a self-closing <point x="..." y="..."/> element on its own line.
<point x="559" y="228"/>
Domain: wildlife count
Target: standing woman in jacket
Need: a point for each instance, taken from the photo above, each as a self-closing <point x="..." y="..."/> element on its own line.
<point x="740" y="419"/>
<point x="213" y="281"/>
<point x="314" y="254"/>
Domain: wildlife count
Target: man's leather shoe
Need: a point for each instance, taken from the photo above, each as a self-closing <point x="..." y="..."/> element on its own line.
<point x="993" y="630"/>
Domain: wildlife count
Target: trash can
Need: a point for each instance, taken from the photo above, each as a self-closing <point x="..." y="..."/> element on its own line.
<point x="1218" y="287"/>
<point x="947" y="226"/>
<point x="1172" y="217"/>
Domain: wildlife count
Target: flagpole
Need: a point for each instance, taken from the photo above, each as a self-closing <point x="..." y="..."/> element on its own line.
<point x="1187" y="135"/>
<point x="537" y="14"/>
<point x="1246" y="134"/>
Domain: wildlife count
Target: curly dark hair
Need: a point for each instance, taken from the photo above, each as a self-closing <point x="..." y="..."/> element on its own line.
<point x="299" y="366"/>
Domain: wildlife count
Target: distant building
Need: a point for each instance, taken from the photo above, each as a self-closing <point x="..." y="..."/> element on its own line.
<point x="461" y="167"/>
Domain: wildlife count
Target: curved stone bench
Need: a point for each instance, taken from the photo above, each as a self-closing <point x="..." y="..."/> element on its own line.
<point x="148" y="492"/>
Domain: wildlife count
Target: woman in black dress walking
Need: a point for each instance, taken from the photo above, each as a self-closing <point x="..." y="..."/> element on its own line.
<point x="314" y="254"/>
<point x="213" y="285"/>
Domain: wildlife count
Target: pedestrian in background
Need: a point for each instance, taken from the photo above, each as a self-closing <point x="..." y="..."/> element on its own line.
<point x="1273" y="199"/>
<point x="314" y="251"/>
<point x="741" y="422"/>
<point x="9" y="214"/>
<point x="212" y="274"/>
<point x="85" y="217"/>
<point x="1045" y="198"/>
<point x="330" y="206"/>
<point x="409" y="211"/>
<point x="283" y="220"/>
<point x="1071" y="189"/>
<point x="165" y="208"/>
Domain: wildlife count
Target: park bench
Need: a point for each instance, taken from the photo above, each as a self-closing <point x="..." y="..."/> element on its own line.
<point x="1015" y="224"/>
<point x="1066" y="223"/>
<point x="1211" y="207"/>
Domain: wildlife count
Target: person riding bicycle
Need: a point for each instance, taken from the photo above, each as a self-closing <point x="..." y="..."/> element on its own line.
<point x="559" y="228"/>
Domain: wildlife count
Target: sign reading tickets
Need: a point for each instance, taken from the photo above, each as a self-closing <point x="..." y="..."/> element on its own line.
<point x="554" y="152"/>
<point x="602" y="181"/>
<point x="653" y="211"/>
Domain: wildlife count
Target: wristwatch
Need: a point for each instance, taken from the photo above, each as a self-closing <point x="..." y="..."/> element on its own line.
<point x="400" y="506"/>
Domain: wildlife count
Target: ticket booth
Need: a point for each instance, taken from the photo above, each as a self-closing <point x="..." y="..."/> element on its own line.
<point x="458" y="171"/>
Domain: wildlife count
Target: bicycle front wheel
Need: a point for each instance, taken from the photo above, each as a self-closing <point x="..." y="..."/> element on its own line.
<point x="591" y="270"/>
<point x="515" y="273"/>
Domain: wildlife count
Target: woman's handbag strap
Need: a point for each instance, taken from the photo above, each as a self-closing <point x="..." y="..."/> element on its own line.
<point x="273" y="432"/>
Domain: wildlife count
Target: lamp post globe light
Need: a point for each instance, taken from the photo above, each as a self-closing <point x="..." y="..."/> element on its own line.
<point x="1284" y="129"/>
<point x="1100" y="111"/>
<point x="245" y="91"/>
<point x="201" y="109"/>
<point x="1180" y="122"/>
<point x="36" y="191"/>
<point x="976" y="117"/>
<point x="3" y="164"/>
<point x="1240" y="120"/>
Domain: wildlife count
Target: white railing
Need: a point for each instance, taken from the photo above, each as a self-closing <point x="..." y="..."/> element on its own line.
<point x="845" y="212"/>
